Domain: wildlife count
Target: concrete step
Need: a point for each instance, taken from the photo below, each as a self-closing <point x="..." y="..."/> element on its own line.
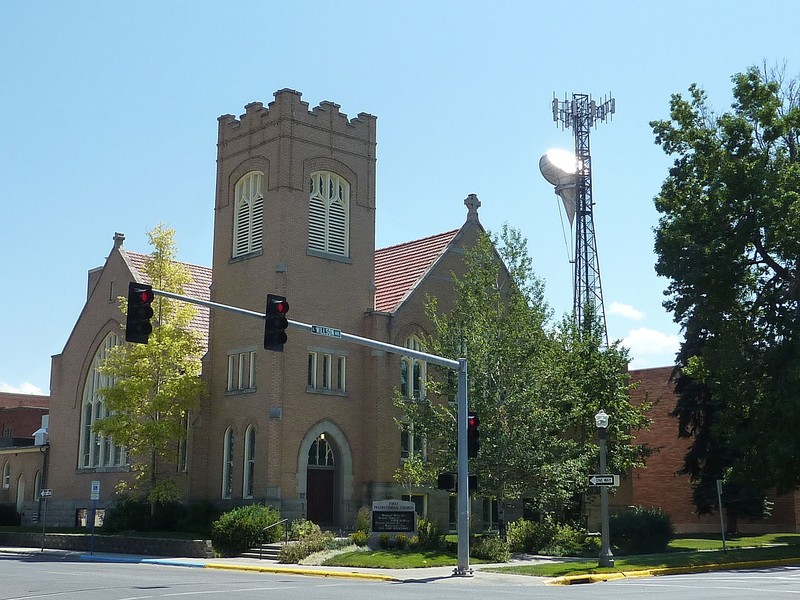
<point x="264" y="552"/>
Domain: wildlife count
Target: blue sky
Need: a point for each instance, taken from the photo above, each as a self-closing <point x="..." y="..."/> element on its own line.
<point x="110" y="121"/>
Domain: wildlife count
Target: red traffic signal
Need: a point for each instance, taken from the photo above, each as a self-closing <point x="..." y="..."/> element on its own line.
<point x="473" y="435"/>
<point x="275" y="323"/>
<point x="138" y="326"/>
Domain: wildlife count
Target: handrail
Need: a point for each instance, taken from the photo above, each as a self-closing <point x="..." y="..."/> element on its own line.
<point x="263" y="531"/>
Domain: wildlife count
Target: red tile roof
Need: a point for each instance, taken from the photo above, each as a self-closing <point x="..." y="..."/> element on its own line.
<point x="398" y="269"/>
<point x="200" y="288"/>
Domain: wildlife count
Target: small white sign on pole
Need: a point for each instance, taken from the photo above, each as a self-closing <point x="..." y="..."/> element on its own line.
<point x="95" y="491"/>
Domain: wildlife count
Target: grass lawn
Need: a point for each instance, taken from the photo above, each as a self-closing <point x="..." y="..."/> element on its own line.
<point x="684" y="551"/>
<point x="393" y="559"/>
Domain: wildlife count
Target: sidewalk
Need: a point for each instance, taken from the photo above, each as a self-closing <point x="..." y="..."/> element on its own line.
<point x="397" y="575"/>
<point x="268" y="566"/>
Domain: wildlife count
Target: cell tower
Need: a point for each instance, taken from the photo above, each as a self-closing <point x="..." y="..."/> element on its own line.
<point x="574" y="185"/>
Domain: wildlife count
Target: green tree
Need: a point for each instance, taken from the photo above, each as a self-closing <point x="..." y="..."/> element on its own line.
<point x="728" y="240"/>
<point x="535" y="388"/>
<point x="157" y="384"/>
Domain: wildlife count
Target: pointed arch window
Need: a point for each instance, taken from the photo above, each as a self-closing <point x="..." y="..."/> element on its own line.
<point x="248" y="214"/>
<point x="413" y="372"/>
<point x="249" y="462"/>
<point x="321" y="454"/>
<point x="98" y="450"/>
<point x="227" y="464"/>
<point x="329" y="214"/>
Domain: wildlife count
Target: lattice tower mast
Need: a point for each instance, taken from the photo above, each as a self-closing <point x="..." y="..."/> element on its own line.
<point x="581" y="113"/>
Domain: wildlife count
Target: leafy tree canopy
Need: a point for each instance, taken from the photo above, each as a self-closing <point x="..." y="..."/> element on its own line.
<point x="728" y="240"/>
<point x="158" y="383"/>
<point x="534" y="387"/>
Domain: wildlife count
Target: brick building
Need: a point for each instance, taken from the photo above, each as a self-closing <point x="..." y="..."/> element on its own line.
<point x="21" y="459"/>
<point x="310" y="430"/>
<point x="660" y="486"/>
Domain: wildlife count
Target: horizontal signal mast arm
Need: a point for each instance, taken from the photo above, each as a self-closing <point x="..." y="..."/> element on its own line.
<point x="377" y="345"/>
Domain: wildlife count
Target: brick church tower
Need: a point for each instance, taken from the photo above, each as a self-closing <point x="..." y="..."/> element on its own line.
<point x="295" y="216"/>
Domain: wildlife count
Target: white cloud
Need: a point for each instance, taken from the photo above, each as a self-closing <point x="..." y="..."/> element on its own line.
<point x="644" y="342"/>
<point x="25" y="388"/>
<point x="625" y="310"/>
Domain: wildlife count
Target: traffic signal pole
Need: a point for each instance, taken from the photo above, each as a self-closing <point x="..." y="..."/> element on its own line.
<point x="460" y="366"/>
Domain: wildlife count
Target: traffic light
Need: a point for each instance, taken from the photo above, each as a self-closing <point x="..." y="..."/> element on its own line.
<point x="137" y="324"/>
<point x="275" y="323"/>
<point x="473" y="435"/>
<point x="447" y="482"/>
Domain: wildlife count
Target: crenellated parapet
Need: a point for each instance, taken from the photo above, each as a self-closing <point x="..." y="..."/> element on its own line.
<point x="288" y="107"/>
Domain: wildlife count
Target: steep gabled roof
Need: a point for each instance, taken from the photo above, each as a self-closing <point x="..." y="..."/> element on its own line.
<point x="400" y="268"/>
<point x="200" y="288"/>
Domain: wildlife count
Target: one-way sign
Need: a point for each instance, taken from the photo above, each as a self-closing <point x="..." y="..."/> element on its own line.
<point x="610" y="480"/>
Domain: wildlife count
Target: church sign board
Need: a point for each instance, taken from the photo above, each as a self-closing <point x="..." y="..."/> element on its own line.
<point x="394" y="516"/>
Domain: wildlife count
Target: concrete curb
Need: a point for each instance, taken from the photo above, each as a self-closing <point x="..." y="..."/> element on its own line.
<point x="599" y="577"/>
<point x="233" y="567"/>
<point x="298" y="571"/>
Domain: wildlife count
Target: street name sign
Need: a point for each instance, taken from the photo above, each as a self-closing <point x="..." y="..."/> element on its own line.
<point x="609" y="480"/>
<point x="326" y="331"/>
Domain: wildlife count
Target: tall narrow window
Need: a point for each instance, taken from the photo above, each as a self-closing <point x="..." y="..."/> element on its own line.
<point x="326" y="371"/>
<point x="241" y="370"/>
<point x="249" y="462"/>
<point x="6" y="475"/>
<point x="312" y="370"/>
<point x="411" y="443"/>
<point x="183" y="445"/>
<point x="248" y="214"/>
<point x="413" y="372"/>
<point x="37" y="485"/>
<point x="341" y="373"/>
<point x="97" y="450"/>
<point x="227" y="464"/>
<point x="329" y="214"/>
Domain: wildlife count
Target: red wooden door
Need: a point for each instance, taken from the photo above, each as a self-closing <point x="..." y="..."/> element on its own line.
<point x="319" y="495"/>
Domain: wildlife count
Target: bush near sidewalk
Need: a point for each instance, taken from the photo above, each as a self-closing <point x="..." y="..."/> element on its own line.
<point x="244" y="527"/>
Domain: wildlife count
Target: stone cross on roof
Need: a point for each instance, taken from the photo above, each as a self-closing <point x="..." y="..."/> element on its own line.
<point x="473" y="204"/>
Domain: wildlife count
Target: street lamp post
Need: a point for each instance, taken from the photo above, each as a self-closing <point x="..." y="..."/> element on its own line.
<point x="606" y="558"/>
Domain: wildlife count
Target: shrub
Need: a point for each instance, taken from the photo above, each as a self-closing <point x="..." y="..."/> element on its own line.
<point x="430" y="537"/>
<point x="134" y="513"/>
<point x="197" y="517"/>
<point x="364" y="520"/>
<point x="359" y="538"/>
<point x="303" y="528"/>
<point x="401" y="541"/>
<point x="569" y="541"/>
<point x="489" y="547"/>
<point x="129" y="513"/>
<point x="529" y="536"/>
<point x="9" y="514"/>
<point x="641" y="531"/>
<point x="244" y="527"/>
<point x="383" y="541"/>
<point x="413" y="542"/>
<point x="294" y="552"/>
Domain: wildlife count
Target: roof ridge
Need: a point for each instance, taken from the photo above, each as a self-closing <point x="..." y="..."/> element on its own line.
<point x="422" y="239"/>
<point x="180" y="262"/>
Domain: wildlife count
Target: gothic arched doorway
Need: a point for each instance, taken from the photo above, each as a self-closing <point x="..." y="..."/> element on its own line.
<point x="321" y="482"/>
